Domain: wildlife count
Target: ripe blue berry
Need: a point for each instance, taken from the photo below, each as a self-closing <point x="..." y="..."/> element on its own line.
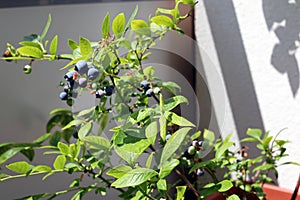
<point x="63" y="96"/>
<point x="82" y="82"/>
<point x="75" y="134"/>
<point x="149" y="92"/>
<point x="99" y="94"/>
<point x="93" y="73"/>
<point x="66" y="89"/>
<point x="81" y="67"/>
<point x="27" y="69"/>
<point x="69" y="75"/>
<point x="191" y="150"/>
<point x="145" y="85"/>
<point x="168" y="136"/>
<point x="109" y="90"/>
<point x="200" y="143"/>
<point x="200" y="172"/>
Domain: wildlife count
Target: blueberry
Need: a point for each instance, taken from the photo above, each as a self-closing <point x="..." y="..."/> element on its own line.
<point x="63" y="96"/>
<point x="69" y="75"/>
<point x="200" y="143"/>
<point x="168" y="136"/>
<point x="99" y="93"/>
<point x="81" y="67"/>
<point x="75" y="134"/>
<point x="93" y="73"/>
<point x="149" y="92"/>
<point x="66" y="89"/>
<point x="200" y="172"/>
<point x="195" y="143"/>
<point x="191" y="150"/>
<point x="27" y="69"/>
<point x="109" y="90"/>
<point x="82" y="82"/>
<point x="145" y="85"/>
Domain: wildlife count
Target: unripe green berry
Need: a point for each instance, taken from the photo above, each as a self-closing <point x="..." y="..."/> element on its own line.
<point x="191" y="150"/>
<point x="27" y="69"/>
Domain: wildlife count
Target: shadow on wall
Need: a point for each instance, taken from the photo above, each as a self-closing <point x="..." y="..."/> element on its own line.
<point x="234" y="65"/>
<point x="282" y="17"/>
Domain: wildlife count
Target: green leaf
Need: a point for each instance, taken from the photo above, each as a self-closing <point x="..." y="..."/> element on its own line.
<point x="162" y="184"/>
<point x="129" y="147"/>
<point x="106" y="26"/>
<point x="151" y="132"/>
<point x="233" y="197"/>
<point x="85" y="46"/>
<point x="44" y="33"/>
<point x="180" y="192"/>
<point x="42" y="138"/>
<point x="30" y="51"/>
<point x="162" y="119"/>
<point x="119" y="171"/>
<point x="63" y="148"/>
<point x="170" y="86"/>
<point x="168" y="168"/>
<point x="255" y="133"/>
<point x="59" y="162"/>
<point x="172" y="145"/>
<point x="174" y="101"/>
<point x="209" y="136"/>
<point x="32" y="44"/>
<point x="73" y="123"/>
<point x="60" y="111"/>
<point x="85" y="129"/>
<point x="178" y="120"/>
<point x="9" y="154"/>
<point x="28" y="153"/>
<point x="41" y="168"/>
<point x="224" y="147"/>
<point x="149" y="160"/>
<point x="163" y="20"/>
<point x="225" y="185"/>
<point x="118" y="24"/>
<point x="72" y="44"/>
<point x="264" y="167"/>
<point x="20" y="167"/>
<point x="53" y="45"/>
<point x="196" y="135"/>
<point x="96" y="142"/>
<point x="134" y="177"/>
<point x="140" y="27"/>
<point x="131" y="17"/>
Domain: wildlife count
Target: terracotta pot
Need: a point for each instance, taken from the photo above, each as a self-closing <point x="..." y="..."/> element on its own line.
<point x="234" y="190"/>
<point x="274" y="192"/>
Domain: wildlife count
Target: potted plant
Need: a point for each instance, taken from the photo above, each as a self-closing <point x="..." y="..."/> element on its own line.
<point x="131" y="94"/>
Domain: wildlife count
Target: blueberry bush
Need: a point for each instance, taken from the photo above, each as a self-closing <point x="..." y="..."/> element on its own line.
<point x="150" y="141"/>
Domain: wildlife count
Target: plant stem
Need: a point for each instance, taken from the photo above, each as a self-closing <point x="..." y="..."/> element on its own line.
<point x="145" y="193"/>
<point x="191" y="187"/>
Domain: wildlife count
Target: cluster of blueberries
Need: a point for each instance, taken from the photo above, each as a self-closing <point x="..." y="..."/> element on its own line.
<point x="78" y="77"/>
<point x="145" y="85"/>
<point x="190" y="155"/>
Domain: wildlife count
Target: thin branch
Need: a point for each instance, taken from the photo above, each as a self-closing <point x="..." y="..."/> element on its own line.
<point x="190" y="186"/>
